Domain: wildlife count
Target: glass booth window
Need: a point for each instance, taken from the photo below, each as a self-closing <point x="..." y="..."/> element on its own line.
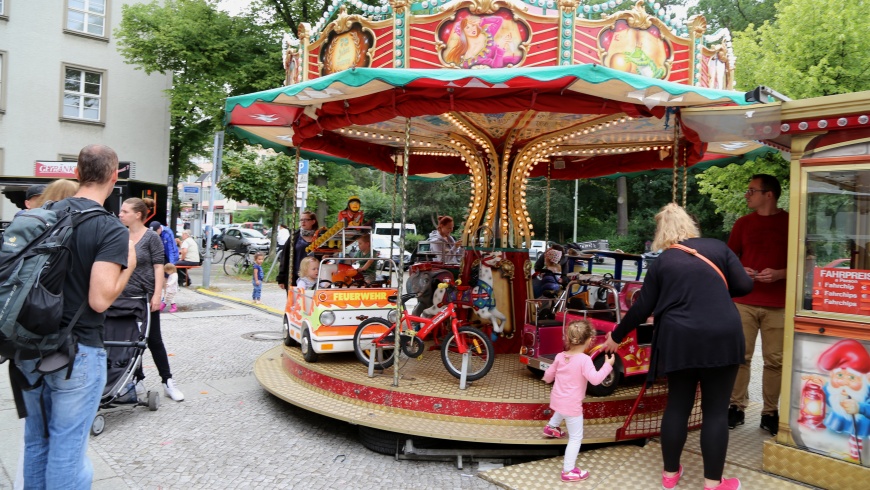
<point x="837" y="257"/>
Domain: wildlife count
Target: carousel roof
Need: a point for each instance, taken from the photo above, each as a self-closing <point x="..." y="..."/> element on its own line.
<point x="599" y="121"/>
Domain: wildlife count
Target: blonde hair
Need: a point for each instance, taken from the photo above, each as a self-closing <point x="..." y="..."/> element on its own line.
<point x="577" y="333"/>
<point x="304" y="264"/>
<point x="673" y="225"/>
<point x="56" y="191"/>
<point x="169" y="268"/>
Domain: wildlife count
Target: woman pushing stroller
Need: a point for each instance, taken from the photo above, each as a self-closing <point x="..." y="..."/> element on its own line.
<point x="147" y="279"/>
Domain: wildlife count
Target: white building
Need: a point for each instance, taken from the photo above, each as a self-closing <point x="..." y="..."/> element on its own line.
<point x="64" y="85"/>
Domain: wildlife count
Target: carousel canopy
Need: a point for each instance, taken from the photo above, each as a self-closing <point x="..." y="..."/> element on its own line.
<point x="598" y="120"/>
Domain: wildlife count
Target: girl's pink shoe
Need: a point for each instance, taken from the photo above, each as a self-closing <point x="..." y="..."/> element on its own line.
<point x="575" y="475"/>
<point x="173" y="309"/>
<point x="162" y="306"/>
<point x="726" y="484"/>
<point x="669" y="482"/>
<point x="551" y="431"/>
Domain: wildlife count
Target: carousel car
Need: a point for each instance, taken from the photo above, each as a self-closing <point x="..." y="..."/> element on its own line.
<point x="325" y="319"/>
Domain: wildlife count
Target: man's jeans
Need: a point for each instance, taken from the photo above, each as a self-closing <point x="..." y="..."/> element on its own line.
<point x="70" y="404"/>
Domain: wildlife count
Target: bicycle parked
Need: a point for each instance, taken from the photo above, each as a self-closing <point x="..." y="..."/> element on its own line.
<point x="239" y="262"/>
<point x="379" y="334"/>
<point x="217" y="253"/>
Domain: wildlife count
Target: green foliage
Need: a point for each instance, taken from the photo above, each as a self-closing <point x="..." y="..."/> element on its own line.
<point x="735" y="15"/>
<point x="251" y="215"/>
<point x="211" y="55"/>
<point x="726" y="186"/>
<point x="411" y="241"/>
<point x="813" y="48"/>
<point x="266" y="181"/>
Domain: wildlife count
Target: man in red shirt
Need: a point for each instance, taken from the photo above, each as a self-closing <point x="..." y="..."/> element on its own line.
<point x="760" y="239"/>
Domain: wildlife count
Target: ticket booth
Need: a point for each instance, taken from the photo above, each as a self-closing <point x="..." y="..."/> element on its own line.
<point x="824" y="434"/>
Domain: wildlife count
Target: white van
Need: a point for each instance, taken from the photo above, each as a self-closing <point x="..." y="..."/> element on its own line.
<point x="392" y="229"/>
<point x="381" y="236"/>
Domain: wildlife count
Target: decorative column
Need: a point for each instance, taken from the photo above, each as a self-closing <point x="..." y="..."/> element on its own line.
<point x="697" y="28"/>
<point x="304" y="41"/>
<point x="568" y="9"/>
<point x="400" y="33"/>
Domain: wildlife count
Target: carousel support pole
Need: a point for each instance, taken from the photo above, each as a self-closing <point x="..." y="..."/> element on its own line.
<point x="685" y="174"/>
<point x="576" y="192"/>
<point x="547" y="227"/>
<point x="676" y="163"/>
<point x="292" y="248"/>
<point x="400" y="308"/>
<point x="393" y="220"/>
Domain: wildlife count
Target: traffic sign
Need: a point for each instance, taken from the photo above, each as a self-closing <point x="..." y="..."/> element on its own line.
<point x="303" y="167"/>
<point x="190" y="193"/>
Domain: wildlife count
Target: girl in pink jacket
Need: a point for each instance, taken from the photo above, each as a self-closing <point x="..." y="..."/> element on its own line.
<point x="572" y="370"/>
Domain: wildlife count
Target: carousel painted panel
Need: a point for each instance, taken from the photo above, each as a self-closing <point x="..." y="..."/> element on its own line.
<point x="830" y="402"/>
<point x="351" y="41"/>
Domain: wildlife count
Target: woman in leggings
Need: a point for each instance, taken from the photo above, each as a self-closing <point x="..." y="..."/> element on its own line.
<point x="698" y="338"/>
<point x="148" y="279"/>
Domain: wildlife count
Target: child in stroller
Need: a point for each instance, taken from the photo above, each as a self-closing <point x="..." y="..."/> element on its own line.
<point x="126" y="330"/>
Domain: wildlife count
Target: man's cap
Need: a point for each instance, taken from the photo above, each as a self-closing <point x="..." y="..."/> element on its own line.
<point x="35" y="190"/>
<point x="155" y="225"/>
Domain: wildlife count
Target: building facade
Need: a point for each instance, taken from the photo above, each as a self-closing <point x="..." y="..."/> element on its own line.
<point x="63" y="85"/>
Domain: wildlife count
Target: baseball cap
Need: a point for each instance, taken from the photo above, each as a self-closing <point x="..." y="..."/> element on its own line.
<point x="34" y="190"/>
<point x="155" y="225"/>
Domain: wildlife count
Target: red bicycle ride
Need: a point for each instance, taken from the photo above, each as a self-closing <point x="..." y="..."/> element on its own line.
<point x="378" y="334"/>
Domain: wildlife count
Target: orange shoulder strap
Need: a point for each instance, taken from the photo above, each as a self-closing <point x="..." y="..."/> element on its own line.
<point x="692" y="251"/>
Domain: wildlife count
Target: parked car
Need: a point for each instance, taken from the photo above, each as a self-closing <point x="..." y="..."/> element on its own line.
<point x="538" y="247"/>
<point x="250" y="225"/>
<point x="381" y="245"/>
<point x="238" y="238"/>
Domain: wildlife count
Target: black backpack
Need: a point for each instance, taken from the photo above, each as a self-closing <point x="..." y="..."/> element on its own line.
<point x="34" y="260"/>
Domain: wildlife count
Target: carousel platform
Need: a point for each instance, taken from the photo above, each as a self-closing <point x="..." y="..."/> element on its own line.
<point x="507" y="406"/>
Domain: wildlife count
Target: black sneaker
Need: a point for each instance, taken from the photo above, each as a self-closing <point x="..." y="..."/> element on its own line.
<point x="735" y="416"/>
<point x="770" y="423"/>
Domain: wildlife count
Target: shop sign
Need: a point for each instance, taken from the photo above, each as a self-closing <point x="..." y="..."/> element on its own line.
<point x="66" y="170"/>
<point x="841" y="290"/>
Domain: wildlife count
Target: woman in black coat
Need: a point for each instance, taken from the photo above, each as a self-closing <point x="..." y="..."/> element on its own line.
<point x="300" y="240"/>
<point x="698" y="340"/>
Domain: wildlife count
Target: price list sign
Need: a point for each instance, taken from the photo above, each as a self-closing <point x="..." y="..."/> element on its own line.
<point x="841" y="290"/>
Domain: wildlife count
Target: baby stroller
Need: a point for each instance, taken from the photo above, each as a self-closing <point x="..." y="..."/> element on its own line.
<point x="126" y="329"/>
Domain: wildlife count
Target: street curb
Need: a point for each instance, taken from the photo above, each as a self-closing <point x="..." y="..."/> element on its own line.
<point x="267" y="309"/>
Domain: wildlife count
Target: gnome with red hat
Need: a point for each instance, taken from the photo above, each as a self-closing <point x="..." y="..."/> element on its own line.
<point x="847" y="394"/>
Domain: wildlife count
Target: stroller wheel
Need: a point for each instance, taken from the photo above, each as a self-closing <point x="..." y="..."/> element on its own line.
<point x="98" y="425"/>
<point x="153" y="401"/>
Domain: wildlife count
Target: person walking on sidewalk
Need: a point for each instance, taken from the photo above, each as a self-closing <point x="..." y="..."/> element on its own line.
<point x="170" y="248"/>
<point x="147" y="279"/>
<point x="759" y="239"/>
<point x="67" y="405"/>
<point x="170" y="288"/>
<point x="698" y="338"/>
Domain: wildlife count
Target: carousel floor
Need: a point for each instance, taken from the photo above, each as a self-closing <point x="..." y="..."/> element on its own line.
<point x="508" y="406"/>
<point x="429" y="403"/>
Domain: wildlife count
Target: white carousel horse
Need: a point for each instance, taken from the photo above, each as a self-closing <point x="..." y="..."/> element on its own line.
<point x="438" y="302"/>
<point x="482" y="299"/>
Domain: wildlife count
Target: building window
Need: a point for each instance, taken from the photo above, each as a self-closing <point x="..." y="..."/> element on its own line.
<point x="82" y="94"/>
<point x="3" y="7"/>
<point x="2" y="81"/>
<point x="86" y="16"/>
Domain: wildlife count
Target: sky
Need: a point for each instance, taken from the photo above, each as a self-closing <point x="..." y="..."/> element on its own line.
<point x="233" y="6"/>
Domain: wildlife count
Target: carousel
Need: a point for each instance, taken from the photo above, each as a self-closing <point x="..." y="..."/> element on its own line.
<point x="502" y="91"/>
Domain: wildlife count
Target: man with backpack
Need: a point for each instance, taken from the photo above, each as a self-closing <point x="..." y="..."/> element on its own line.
<point x="61" y="406"/>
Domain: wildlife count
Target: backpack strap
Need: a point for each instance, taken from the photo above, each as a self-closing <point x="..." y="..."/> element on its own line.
<point x="692" y="251"/>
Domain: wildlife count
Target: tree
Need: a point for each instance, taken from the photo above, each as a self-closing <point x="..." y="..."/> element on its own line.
<point x="267" y="181"/>
<point x="734" y="15"/>
<point x="211" y="56"/>
<point x="813" y="48"/>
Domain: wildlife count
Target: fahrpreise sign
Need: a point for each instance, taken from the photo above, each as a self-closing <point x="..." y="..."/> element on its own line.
<point x="841" y="290"/>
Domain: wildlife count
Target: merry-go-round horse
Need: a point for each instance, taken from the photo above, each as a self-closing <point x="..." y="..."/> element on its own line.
<point x="482" y="299"/>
